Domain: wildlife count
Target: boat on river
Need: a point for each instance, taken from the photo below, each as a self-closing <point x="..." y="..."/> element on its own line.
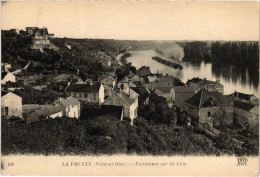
<point x="176" y="64"/>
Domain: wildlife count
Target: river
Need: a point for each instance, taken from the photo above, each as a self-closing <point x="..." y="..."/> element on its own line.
<point x="232" y="78"/>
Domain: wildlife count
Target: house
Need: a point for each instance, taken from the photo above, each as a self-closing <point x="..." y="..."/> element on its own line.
<point x="5" y="67"/>
<point x="165" y="81"/>
<point x="210" y="107"/>
<point x="144" y="94"/>
<point x="132" y="77"/>
<point x="7" y="77"/>
<point x="126" y="82"/>
<point x="44" y="112"/>
<point x="197" y="84"/>
<point x="166" y="92"/>
<point x="108" y="80"/>
<point x="247" y="115"/>
<point x="127" y="98"/>
<point x="89" y="92"/>
<point x="11" y="105"/>
<point x="40" y="38"/>
<point x="153" y="82"/>
<point x="181" y="94"/>
<point x="70" y="107"/>
<point x="90" y="112"/>
<point x="247" y="98"/>
<point x="14" y="31"/>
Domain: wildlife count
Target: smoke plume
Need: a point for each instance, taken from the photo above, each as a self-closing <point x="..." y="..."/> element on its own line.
<point x="170" y="50"/>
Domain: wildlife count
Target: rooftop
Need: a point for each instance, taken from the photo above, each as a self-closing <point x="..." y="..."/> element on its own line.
<point x="164" y="89"/>
<point x="205" y="98"/>
<point x="244" y="106"/>
<point x="94" y="88"/>
<point x="183" y="89"/>
<point x="70" y="101"/>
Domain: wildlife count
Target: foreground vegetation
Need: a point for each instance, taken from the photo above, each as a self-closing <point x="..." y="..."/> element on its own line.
<point x="106" y="135"/>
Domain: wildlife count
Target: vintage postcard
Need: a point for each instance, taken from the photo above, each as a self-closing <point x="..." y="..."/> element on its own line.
<point x="94" y="88"/>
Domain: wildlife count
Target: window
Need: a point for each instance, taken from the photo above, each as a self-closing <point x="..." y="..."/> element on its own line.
<point x="6" y="111"/>
<point x="209" y="114"/>
<point x="195" y="113"/>
<point x="94" y="96"/>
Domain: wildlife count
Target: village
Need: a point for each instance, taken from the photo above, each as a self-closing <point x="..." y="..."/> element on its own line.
<point x="198" y="104"/>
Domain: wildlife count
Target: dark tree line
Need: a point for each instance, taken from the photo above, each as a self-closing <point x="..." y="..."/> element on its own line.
<point x="236" y="53"/>
<point x="196" y="50"/>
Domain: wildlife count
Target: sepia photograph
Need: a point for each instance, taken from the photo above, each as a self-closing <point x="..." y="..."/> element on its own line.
<point x="130" y="88"/>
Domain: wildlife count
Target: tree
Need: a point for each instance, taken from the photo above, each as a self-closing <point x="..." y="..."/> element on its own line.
<point x="159" y="112"/>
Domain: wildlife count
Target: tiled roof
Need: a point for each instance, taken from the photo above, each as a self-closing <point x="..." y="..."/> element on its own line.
<point x="106" y="77"/>
<point x="130" y="75"/>
<point x="164" y="79"/>
<point x="205" y="98"/>
<point x="70" y="101"/>
<point x="183" y="89"/>
<point x="120" y="95"/>
<point x="164" y="89"/>
<point x="94" y="88"/>
<point x="243" y="105"/>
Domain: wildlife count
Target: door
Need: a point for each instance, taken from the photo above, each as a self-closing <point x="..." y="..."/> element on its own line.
<point x="6" y="111"/>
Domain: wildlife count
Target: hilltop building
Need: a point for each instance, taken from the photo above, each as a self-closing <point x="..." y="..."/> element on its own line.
<point x="40" y="38"/>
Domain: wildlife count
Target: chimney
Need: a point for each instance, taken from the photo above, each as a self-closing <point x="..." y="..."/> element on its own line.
<point x="218" y="81"/>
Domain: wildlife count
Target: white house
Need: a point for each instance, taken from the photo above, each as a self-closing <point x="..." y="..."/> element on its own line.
<point x="70" y="107"/>
<point x="6" y="77"/>
<point x="126" y="98"/>
<point x="90" y="92"/>
<point x="11" y="105"/>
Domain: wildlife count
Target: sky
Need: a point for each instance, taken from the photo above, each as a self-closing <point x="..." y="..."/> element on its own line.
<point x="137" y="20"/>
